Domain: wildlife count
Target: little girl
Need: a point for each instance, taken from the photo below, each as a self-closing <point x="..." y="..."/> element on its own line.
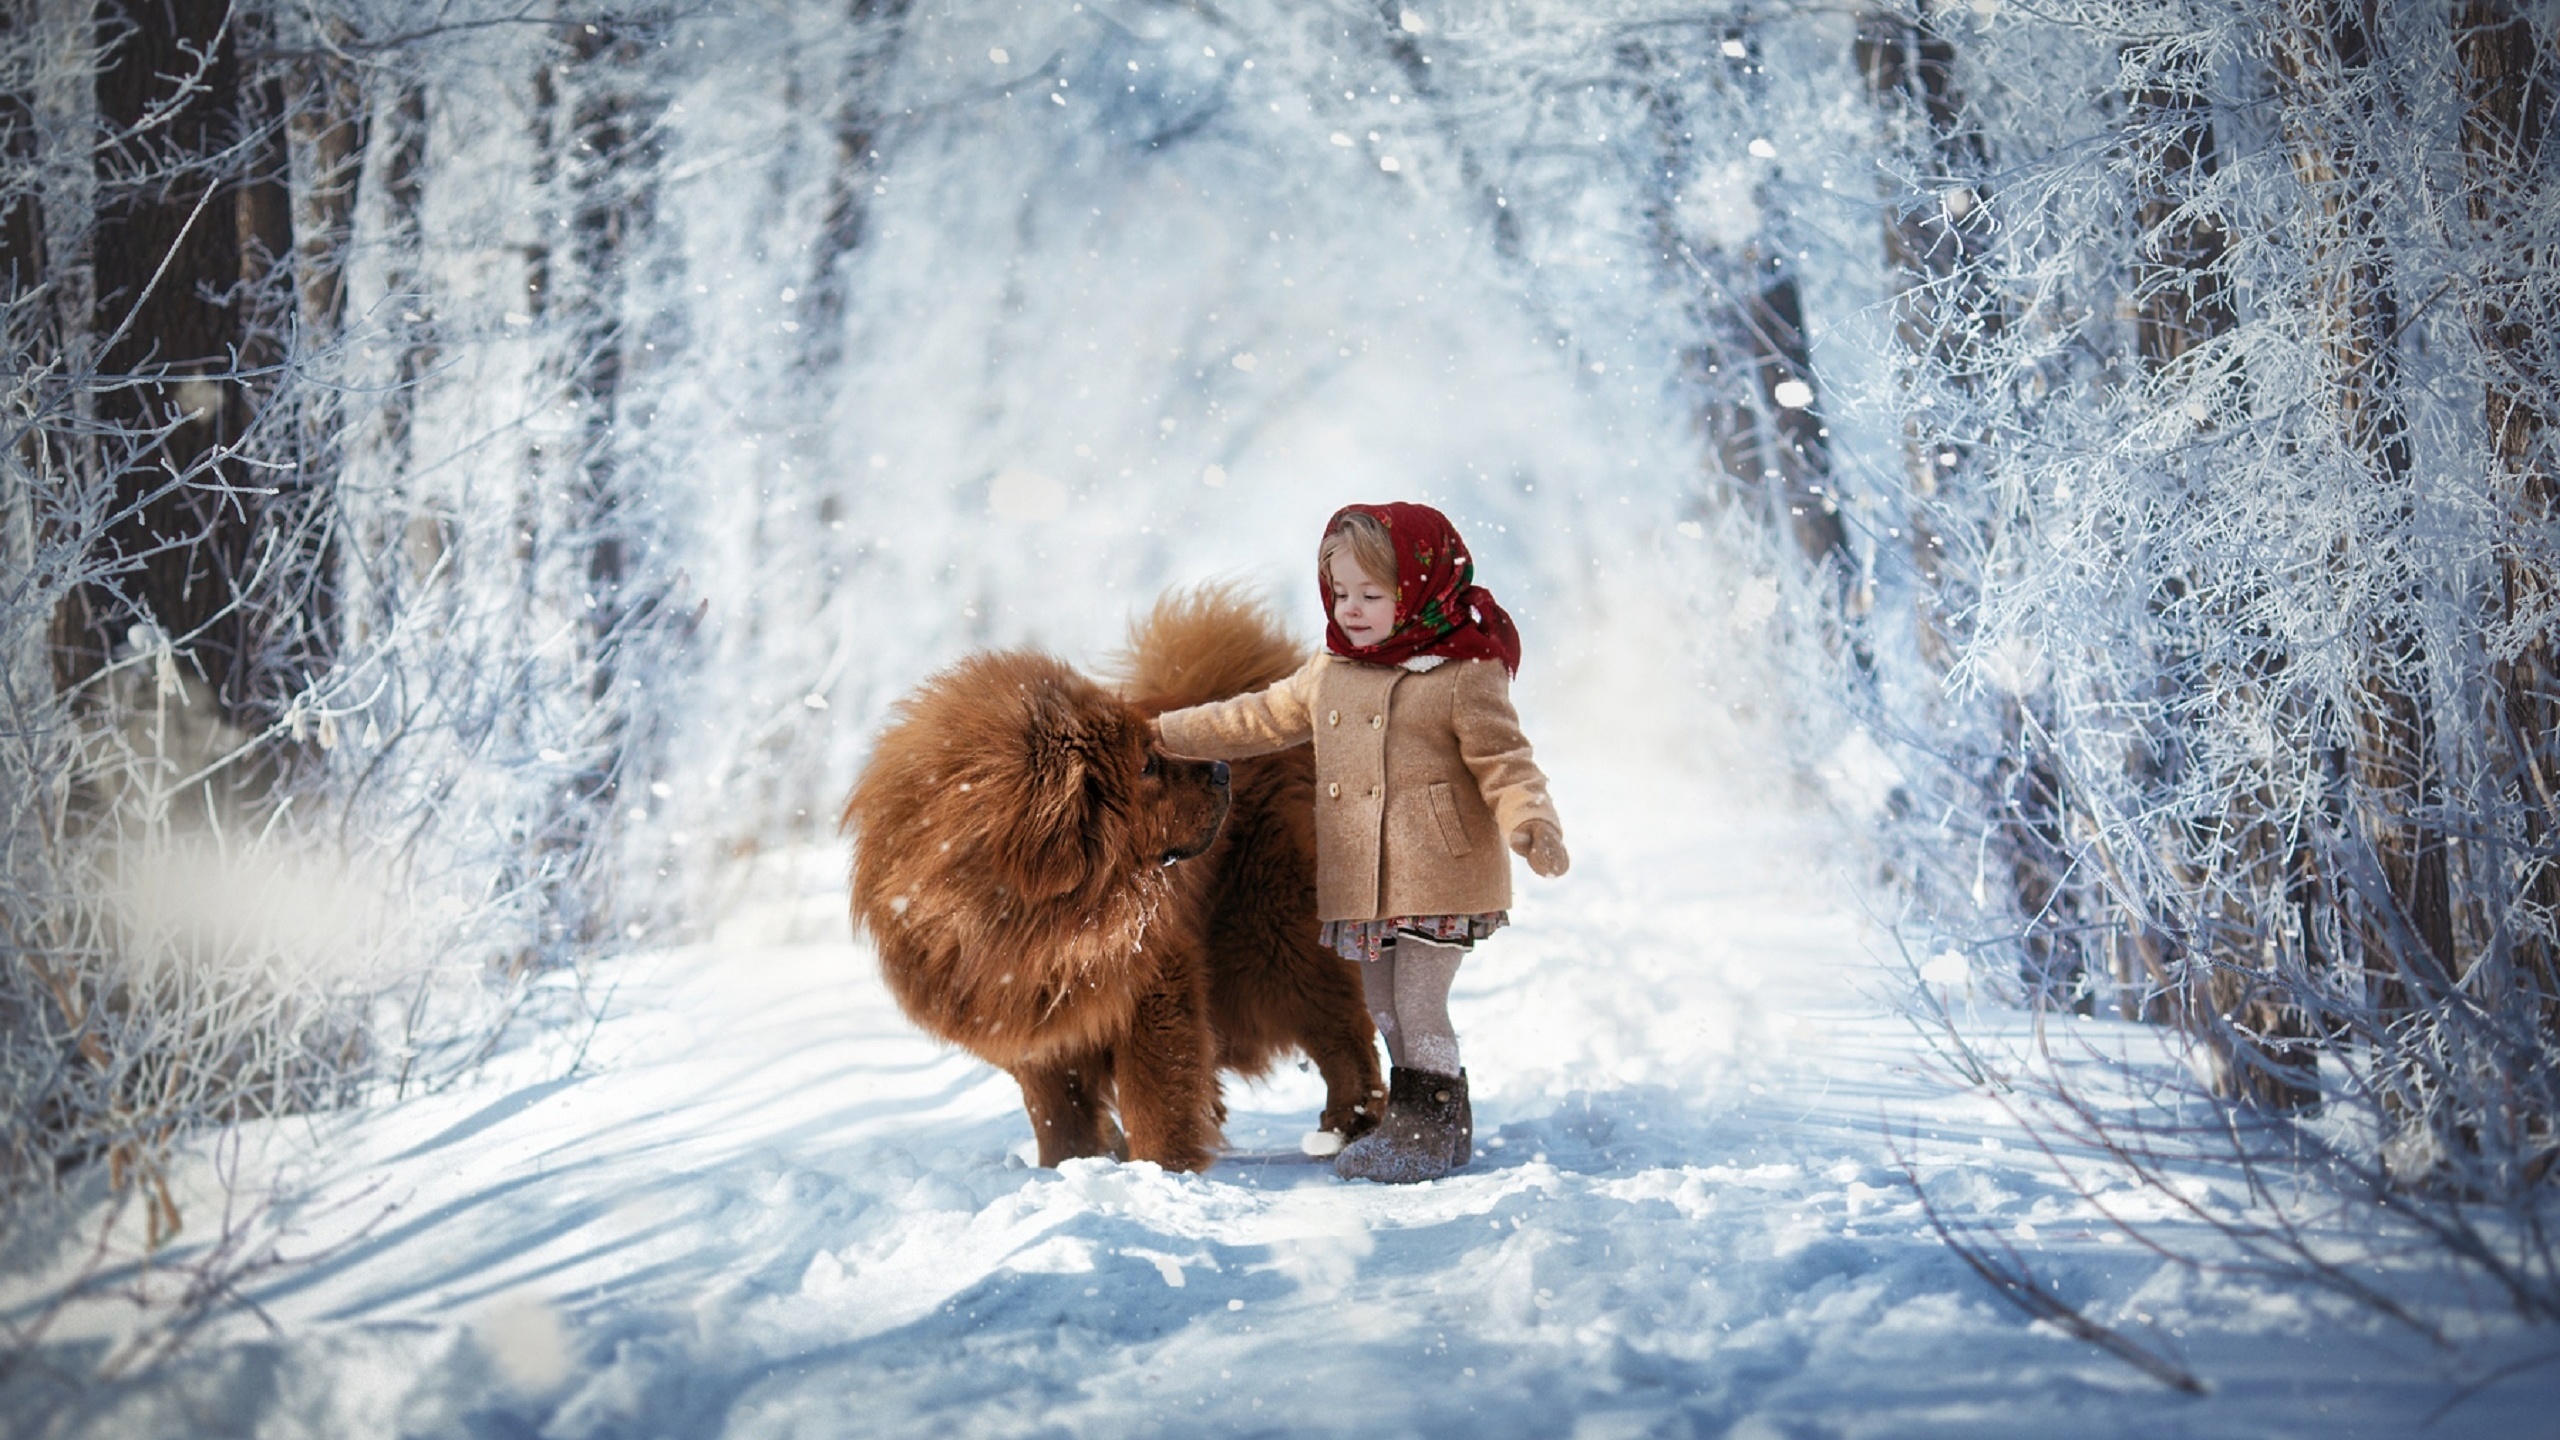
<point x="1422" y="777"/>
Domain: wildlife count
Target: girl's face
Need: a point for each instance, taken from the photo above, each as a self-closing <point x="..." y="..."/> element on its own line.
<point x="1365" y="609"/>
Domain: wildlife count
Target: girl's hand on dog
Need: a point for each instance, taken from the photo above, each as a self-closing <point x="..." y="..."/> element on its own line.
<point x="1542" y="844"/>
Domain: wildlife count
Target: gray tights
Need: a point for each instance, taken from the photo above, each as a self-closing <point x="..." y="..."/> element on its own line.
<point x="1407" y="991"/>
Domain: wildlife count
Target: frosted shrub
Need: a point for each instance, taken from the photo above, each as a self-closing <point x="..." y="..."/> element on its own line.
<point x="319" y="686"/>
<point x="2220" y="666"/>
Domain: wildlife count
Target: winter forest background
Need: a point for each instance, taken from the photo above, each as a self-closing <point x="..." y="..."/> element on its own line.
<point x="477" y="472"/>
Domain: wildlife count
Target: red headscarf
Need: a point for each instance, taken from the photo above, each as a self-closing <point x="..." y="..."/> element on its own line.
<point x="1440" y="610"/>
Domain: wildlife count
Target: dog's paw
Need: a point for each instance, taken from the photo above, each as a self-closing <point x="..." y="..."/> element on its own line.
<point x="1320" y="1143"/>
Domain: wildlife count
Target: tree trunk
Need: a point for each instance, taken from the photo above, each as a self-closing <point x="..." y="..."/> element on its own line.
<point x="193" y="218"/>
<point x="1753" y="352"/>
<point x="2181" y="299"/>
<point x="2227" y="988"/>
<point x="27" y="340"/>
<point x="327" y="130"/>
<point x="612" y="178"/>
<point x="403" y="136"/>
<point x="1947" y="312"/>
<point x="2325" y="51"/>
<point x="21" y="211"/>
<point x="2392" y="869"/>
<point x="1782" y="435"/>
<point x="1934" y="239"/>
<point x="2508" y="96"/>
<point x="583" y="515"/>
<point x="879" y="27"/>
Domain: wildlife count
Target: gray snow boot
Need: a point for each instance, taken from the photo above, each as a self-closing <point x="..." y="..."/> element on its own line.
<point x="1429" y="1131"/>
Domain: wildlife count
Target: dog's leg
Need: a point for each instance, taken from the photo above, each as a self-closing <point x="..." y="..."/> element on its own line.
<point x="1334" y="1031"/>
<point x="1066" y="1100"/>
<point x="1355" y="1097"/>
<point x="1168" y="1080"/>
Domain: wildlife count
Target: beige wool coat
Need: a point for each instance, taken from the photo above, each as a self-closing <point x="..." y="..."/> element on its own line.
<point x="1422" y="777"/>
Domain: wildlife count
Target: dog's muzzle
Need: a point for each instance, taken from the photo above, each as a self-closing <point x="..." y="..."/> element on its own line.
<point x="1222" y="788"/>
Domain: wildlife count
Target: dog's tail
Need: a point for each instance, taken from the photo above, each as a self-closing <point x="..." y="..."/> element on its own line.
<point x="1204" y="644"/>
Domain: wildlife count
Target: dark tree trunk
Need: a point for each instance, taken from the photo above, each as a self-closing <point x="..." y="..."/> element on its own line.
<point x="2509" y="93"/>
<point x="28" y="334"/>
<point x="403" y="134"/>
<point x="1787" y="440"/>
<point x="612" y="172"/>
<point x="193" y="218"/>
<point x="2181" y="297"/>
<point x="595" y="121"/>
<point x="2325" y="51"/>
<point x="2227" y="985"/>
<point x="22" y="264"/>
<point x="326" y="126"/>
<point x="857" y="128"/>
<point x="1750" y="314"/>
<point x="1934" y="244"/>
<point x="1948" y="315"/>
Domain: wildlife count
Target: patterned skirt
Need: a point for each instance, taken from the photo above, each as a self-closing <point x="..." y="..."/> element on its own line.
<point x="1359" y="941"/>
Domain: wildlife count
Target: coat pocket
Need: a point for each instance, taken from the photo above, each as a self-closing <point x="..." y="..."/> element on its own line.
<point x="1444" y="810"/>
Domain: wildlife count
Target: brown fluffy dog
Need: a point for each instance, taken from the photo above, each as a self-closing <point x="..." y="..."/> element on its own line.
<point x="1113" y="925"/>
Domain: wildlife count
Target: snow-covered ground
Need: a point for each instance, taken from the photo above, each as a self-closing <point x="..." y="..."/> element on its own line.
<point x="765" y="1206"/>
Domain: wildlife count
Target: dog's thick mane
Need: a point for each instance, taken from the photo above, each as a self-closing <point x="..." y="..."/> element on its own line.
<point x="1202" y="644"/>
<point x="1047" y="890"/>
<point x="988" y="777"/>
<point x="1000" y="759"/>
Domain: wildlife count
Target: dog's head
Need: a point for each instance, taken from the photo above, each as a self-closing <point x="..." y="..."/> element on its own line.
<point x="1015" y="767"/>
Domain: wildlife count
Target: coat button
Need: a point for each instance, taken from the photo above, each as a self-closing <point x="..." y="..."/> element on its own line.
<point x="1377" y="720"/>
<point x="1333" y="792"/>
<point x="1333" y="717"/>
<point x="1375" y="790"/>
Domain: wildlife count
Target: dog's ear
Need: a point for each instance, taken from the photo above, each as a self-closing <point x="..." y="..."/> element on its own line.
<point x="1047" y="849"/>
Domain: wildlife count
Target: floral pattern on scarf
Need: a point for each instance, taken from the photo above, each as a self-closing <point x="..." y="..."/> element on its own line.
<point x="1440" y="610"/>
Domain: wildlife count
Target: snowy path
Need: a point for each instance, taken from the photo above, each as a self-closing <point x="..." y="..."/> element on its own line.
<point x="768" y="1208"/>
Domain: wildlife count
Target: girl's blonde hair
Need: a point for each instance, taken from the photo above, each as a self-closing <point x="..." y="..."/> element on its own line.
<point x="1372" y="549"/>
